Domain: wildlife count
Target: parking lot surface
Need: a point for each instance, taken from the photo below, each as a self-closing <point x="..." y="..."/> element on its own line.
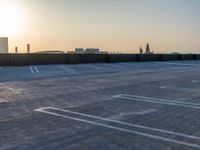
<point x="111" y="106"/>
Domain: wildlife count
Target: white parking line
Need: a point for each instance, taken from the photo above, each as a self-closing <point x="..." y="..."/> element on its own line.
<point x="31" y="69"/>
<point x="66" y="68"/>
<point x="158" y="101"/>
<point x="92" y="66"/>
<point x="119" y="66"/>
<point x="3" y="100"/>
<point x="125" y="123"/>
<point x="36" y="69"/>
<point x="44" y="110"/>
<point x="195" y="81"/>
<point x="181" y="88"/>
<point x="194" y="65"/>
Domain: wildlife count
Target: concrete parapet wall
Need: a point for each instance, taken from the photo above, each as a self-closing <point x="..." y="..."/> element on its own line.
<point x="88" y="58"/>
<point x="19" y="60"/>
<point x="43" y="59"/>
<point x="39" y="59"/>
<point x="168" y="57"/>
<point x="187" y="57"/>
<point x="150" y="57"/>
<point x="197" y="57"/>
<point x="123" y="57"/>
<point x="5" y="59"/>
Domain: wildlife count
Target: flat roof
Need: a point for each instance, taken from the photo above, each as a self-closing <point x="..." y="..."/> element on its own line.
<point x="137" y="105"/>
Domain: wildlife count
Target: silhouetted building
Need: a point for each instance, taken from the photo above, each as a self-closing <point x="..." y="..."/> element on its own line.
<point x="102" y="52"/>
<point x="3" y="45"/>
<point x="87" y="51"/>
<point x="175" y="53"/>
<point x="92" y="50"/>
<point x="70" y="52"/>
<point x="148" y="51"/>
<point x="28" y="48"/>
<point x="79" y="50"/>
<point x="141" y="50"/>
<point x="51" y="52"/>
<point x="16" y="49"/>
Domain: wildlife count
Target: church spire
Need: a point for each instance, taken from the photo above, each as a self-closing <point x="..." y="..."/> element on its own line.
<point x="141" y="50"/>
<point x="148" y="49"/>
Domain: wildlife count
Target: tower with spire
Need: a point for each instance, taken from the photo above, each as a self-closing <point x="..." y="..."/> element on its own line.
<point x="141" y="50"/>
<point x="148" y="51"/>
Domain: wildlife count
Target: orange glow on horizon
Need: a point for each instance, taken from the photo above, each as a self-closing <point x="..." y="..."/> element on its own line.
<point x="11" y="19"/>
<point x="118" y="26"/>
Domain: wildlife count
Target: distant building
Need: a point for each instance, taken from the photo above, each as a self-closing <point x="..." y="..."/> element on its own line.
<point x="141" y="50"/>
<point x="16" y="49"/>
<point x="79" y="50"/>
<point x="28" y="48"/>
<point x="3" y="45"/>
<point x="51" y="52"/>
<point x="70" y="52"/>
<point x="175" y="53"/>
<point x="148" y="51"/>
<point x="102" y="52"/>
<point x="87" y="51"/>
<point x="92" y="50"/>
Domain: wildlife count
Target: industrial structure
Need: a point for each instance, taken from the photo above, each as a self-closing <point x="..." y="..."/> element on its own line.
<point x="147" y="50"/>
<point x="28" y="48"/>
<point x="16" y="49"/>
<point x="50" y="52"/>
<point x="141" y="50"/>
<point x="3" y="45"/>
<point x="79" y="50"/>
<point x="87" y="51"/>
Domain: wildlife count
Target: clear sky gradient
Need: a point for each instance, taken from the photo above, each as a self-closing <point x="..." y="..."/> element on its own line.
<point x="113" y="25"/>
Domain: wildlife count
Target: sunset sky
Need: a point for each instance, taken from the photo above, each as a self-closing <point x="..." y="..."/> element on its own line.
<point x="113" y="25"/>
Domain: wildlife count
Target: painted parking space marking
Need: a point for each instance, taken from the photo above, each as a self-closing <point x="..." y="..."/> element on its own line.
<point x="3" y="101"/>
<point x="182" y="64"/>
<point x="181" y="88"/>
<point x="118" y="66"/>
<point x="34" y="69"/>
<point x="92" y="66"/>
<point x="125" y="64"/>
<point x="195" y="81"/>
<point x="121" y="122"/>
<point x="158" y="101"/>
<point x="122" y="126"/>
<point x="31" y="69"/>
<point x="66" y="68"/>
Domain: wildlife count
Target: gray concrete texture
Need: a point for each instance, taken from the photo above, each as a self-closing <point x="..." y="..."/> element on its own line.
<point x="5" y="60"/>
<point x="109" y="106"/>
<point x="41" y="59"/>
<point x="187" y="57"/>
<point x="150" y="57"/>
<point x="168" y="57"/>
<point x="38" y="59"/>
<point x="197" y="57"/>
<point x="88" y="58"/>
<point x="123" y="58"/>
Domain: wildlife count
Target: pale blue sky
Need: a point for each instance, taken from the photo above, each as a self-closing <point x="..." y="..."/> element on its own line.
<point x="114" y="25"/>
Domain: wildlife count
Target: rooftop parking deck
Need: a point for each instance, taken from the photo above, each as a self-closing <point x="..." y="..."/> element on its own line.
<point x="137" y="105"/>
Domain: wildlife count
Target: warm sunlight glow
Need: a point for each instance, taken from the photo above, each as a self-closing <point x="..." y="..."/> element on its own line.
<point x="11" y="19"/>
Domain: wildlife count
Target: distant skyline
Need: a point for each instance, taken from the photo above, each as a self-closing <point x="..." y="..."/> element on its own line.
<point x="112" y="25"/>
